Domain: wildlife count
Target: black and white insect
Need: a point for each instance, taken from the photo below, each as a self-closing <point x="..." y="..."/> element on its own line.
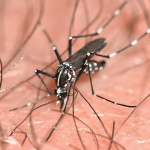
<point x="70" y="70"/>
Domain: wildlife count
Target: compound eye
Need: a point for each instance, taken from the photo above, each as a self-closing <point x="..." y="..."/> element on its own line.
<point x="62" y="90"/>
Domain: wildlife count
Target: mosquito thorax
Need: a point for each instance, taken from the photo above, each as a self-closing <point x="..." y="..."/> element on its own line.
<point x="65" y="75"/>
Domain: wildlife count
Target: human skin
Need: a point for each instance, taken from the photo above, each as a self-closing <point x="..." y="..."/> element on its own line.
<point x="123" y="80"/>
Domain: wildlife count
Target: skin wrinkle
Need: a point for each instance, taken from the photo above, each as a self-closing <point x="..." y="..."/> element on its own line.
<point x="56" y="19"/>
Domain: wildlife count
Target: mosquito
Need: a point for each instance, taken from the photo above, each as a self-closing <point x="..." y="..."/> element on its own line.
<point x="69" y="71"/>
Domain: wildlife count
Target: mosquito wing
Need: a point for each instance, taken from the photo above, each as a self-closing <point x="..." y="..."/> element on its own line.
<point x="95" y="46"/>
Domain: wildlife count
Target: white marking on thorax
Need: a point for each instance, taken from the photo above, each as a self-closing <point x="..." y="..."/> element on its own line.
<point x="59" y="76"/>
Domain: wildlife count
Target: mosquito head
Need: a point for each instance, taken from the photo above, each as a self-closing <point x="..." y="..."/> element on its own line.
<point x="61" y="92"/>
<point x="65" y="75"/>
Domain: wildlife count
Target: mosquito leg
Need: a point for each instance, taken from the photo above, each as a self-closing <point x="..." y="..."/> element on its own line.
<point x="70" y="46"/>
<point x="93" y="93"/>
<point x="116" y="13"/>
<point x="84" y="66"/>
<point x="57" y="55"/>
<point x="131" y="44"/>
<point x="44" y="73"/>
<point x="36" y="71"/>
<point x="50" y="40"/>
<point x="102" y="28"/>
<point x="95" y="114"/>
<point x="61" y="114"/>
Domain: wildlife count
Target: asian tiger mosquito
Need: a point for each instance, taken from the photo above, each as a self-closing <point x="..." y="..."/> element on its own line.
<point x="131" y="44"/>
<point x="69" y="71"/>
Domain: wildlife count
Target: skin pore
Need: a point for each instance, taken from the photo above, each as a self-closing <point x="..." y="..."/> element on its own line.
<point x="125" y="79"/>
